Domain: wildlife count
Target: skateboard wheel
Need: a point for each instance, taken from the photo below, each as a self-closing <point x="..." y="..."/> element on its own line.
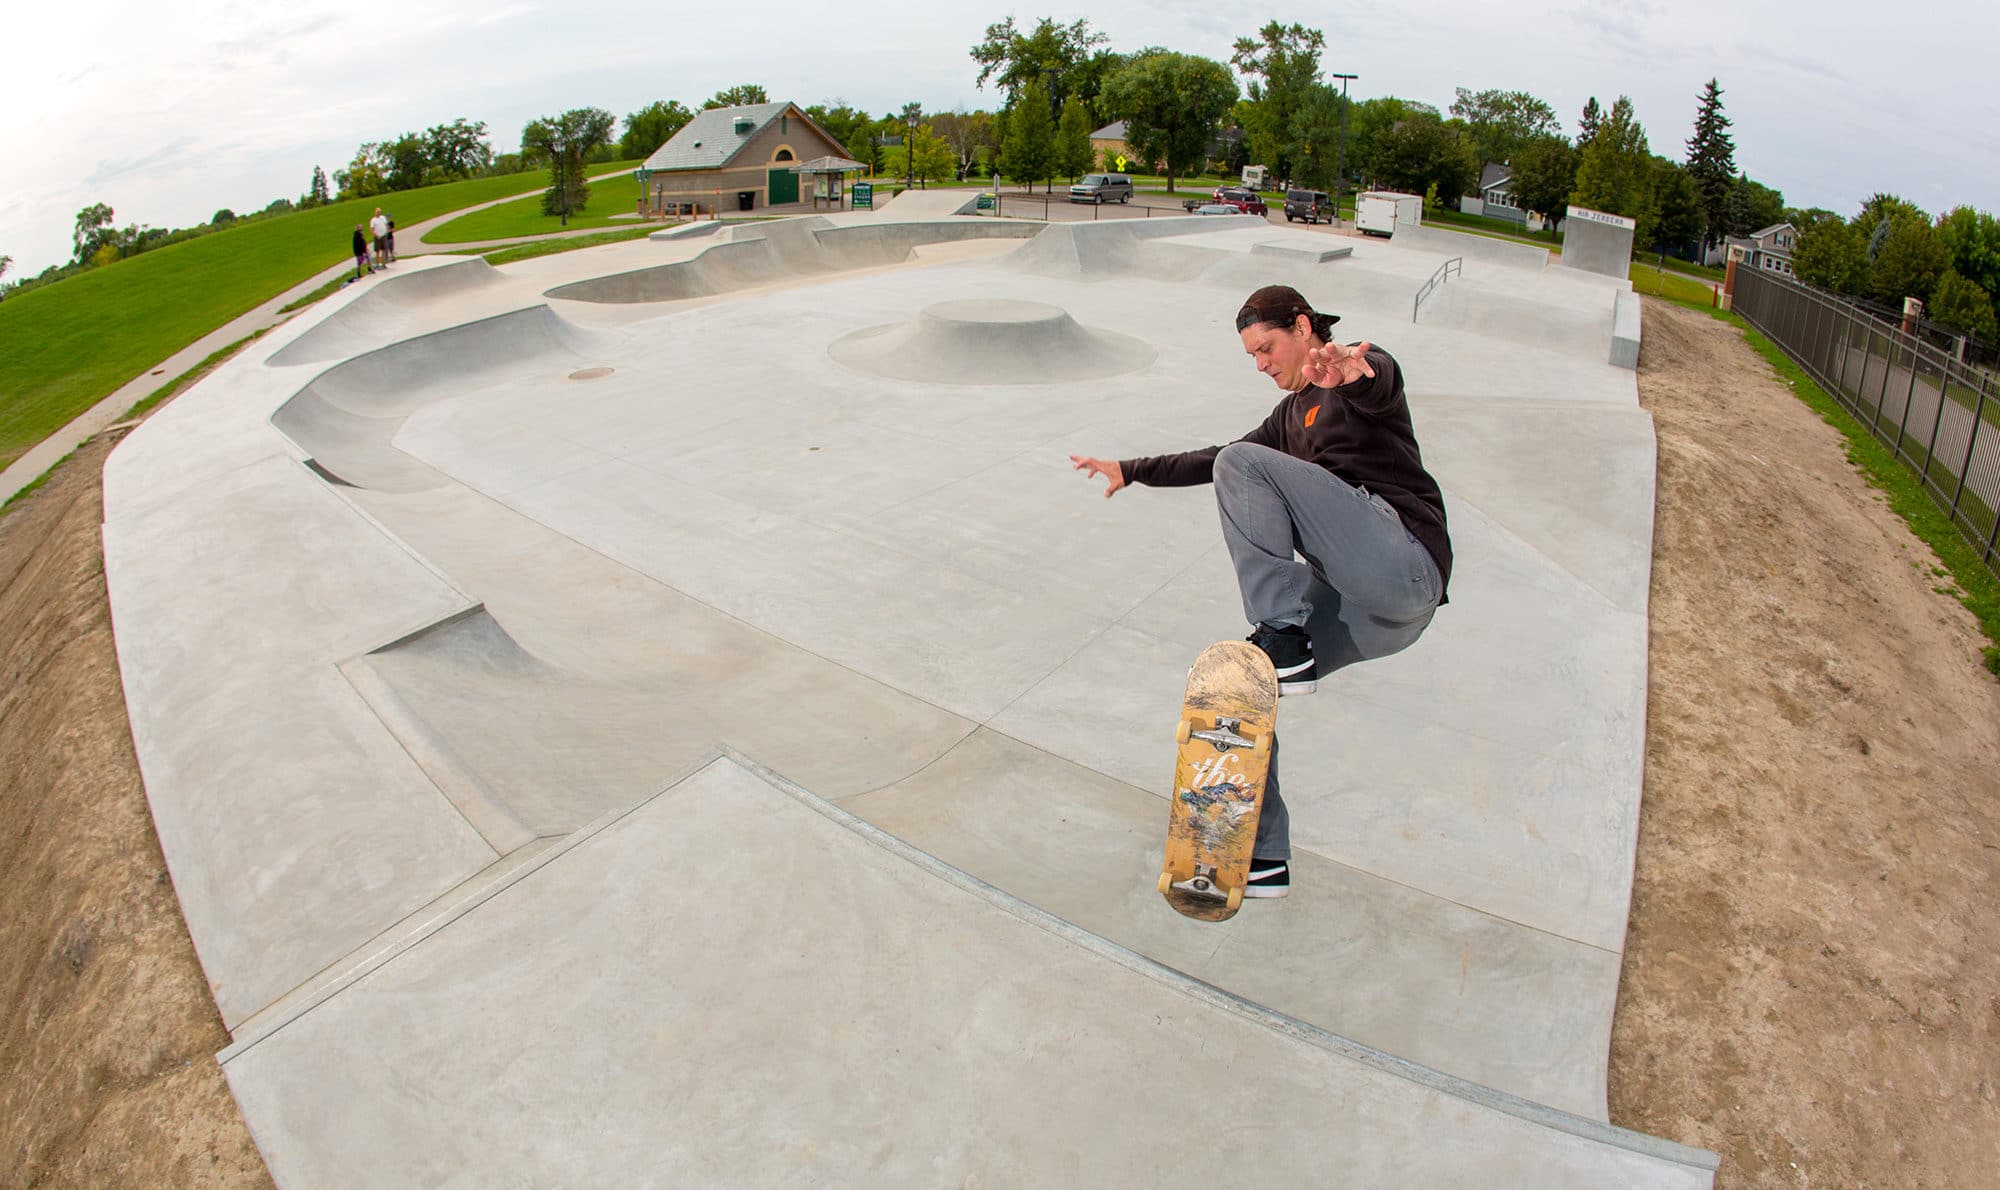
<point x="1182" y="732"/>
<point x="1235" y="899"/>
<point x="1166" y="882"/>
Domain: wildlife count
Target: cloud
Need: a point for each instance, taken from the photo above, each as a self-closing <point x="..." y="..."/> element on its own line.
<point x="172" y="151"/>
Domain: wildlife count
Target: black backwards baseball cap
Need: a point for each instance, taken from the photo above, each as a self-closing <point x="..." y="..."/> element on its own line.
<point x="1281" y="305"/>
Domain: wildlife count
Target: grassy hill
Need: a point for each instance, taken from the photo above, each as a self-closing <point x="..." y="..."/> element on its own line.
<point x="66" y="346"/>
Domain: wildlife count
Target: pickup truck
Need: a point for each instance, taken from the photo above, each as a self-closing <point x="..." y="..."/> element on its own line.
<point x="1246" y="201"/>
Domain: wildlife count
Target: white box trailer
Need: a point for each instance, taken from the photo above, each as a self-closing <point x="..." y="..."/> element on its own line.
<point x="1377" y="212"/>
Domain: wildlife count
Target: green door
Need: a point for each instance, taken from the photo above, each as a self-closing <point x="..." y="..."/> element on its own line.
<point x="784" y="186"/>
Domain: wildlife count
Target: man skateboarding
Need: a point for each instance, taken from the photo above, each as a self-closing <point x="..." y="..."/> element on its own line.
<point x="1333" y="475"/>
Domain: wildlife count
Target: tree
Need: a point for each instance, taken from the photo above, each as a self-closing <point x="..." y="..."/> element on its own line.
<point x="1063" y="58"/>
<point x="1171" y="104"/>
<point x="316" y="192"/>
<point x="1586" y="128"/>
<point x="970" y="135"/>
<point x="364" y="176"/>
<point x="1283" y="64"/>
<point x="1369" y="119"/>
<point x="566" y="140"/>
<point x="1711" y="162"/>
<point x="1501" y="123"/>
<point x="1544" y="173"/>
<point x="1972" y="245"/>
<point x="1832" y="254"/>
<point x="1315" y="132"/>
<point x="1421" y="151"/>
<point x="1028" y="152"/>
<point x="1964" y="306"/>
<point x="1614" y="171"/>
<point x="1909" y="263"/>
<point x="1751" y="207"/>
<point x="738" y="96"/>
<point x="934" y="159"/>
<point x="93" y="231"/>
<point x="223" y="217"/>
<point x="1678" y="221"/>
<point x="408" y="162"/>
<point x="652" y="126"/>
<point x="1073" y="140"/>
<point x="458" y="149"/>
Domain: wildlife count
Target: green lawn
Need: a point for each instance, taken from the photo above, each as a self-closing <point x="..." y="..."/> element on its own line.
<point x="66" y="346"/>
<point x="1649" y="279"/>
<point x="609" y="196"/>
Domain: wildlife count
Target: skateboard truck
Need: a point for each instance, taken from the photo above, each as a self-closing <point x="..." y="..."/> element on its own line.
<point x="1201" y="884"/>
<point x="1224" y="735"/>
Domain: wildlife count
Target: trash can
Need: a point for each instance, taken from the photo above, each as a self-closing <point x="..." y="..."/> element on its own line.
<point x="744" y="198"/>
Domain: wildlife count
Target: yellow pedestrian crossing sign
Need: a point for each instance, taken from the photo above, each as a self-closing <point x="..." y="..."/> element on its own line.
<point x="1121" y="163"/>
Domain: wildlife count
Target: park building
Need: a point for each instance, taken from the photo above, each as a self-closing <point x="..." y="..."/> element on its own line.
<point x="745" y="158"/>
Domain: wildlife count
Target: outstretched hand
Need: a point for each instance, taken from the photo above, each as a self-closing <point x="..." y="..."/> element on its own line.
<point x="1336" y="364"/>
<point x="1113" y="474"/>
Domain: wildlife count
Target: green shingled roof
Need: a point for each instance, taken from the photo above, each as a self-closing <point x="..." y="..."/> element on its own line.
<point x="710" y="139"/>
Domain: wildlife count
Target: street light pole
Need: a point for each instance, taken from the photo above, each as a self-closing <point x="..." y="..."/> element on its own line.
<point x="1340" y="163"/>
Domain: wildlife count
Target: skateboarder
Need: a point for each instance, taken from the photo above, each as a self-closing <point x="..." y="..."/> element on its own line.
<point x="1333" y="475"/>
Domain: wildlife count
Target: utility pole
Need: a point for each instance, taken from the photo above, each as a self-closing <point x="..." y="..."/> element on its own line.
<point x="1340" y="162"/>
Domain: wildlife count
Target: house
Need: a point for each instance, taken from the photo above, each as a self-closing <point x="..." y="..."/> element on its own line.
<point x="739" y="158"/>
<point x="1770" y="249"/>
<point x="1495" y="199"/>
<point x="1107" y="144"/>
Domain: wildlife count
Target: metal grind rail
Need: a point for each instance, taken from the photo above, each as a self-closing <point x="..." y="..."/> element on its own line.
<point x="1455" y="265"/>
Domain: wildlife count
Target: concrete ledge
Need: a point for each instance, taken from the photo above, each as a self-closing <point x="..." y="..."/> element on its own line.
<point x="1625" y="330"/>
<point x="1294" y="252"/>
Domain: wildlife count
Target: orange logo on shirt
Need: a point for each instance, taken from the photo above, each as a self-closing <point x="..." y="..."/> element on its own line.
<point x="1312" y="415"/>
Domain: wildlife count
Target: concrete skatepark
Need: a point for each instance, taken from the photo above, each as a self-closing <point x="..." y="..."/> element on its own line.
<point x="670" y="713"/>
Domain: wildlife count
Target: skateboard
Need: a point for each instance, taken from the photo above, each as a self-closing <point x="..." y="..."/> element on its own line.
<point x="1228" y="720"/>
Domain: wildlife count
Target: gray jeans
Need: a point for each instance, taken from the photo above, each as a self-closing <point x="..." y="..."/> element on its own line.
<point x="1366" y="588"/>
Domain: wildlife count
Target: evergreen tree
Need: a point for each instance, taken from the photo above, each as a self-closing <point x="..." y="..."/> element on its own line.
<point x="317" y="195"/>
<point x="1587" y="127"/>
<point x="1073" y="139"/>
<point x="1028" y="154"/>
<point x="1711" y="162"/>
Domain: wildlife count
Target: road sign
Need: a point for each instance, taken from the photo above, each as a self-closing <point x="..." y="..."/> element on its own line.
<point x="864" y="195"/>
<point x="1121" y="163"/>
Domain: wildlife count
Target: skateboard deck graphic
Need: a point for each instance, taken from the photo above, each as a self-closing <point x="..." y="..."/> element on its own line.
<point x="1227" y="723"/>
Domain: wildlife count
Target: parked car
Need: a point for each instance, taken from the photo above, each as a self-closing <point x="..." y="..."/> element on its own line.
<point x="1243" y="200"/>
<point x="1214" y="208"/>
<point x="1312" y="206"/>
<point x="1249" y="200"/>
<point x="1096" y="188"/>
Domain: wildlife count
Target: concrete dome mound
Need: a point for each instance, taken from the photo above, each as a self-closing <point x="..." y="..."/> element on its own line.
<point x="991" y="341"/>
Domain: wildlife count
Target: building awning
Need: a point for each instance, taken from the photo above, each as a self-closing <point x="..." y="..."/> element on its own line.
<point x="828" y="165"/>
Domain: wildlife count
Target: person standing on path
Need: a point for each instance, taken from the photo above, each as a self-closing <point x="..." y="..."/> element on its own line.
<point x="1332" y="476"/>
<point x="389" y="236"/>
<point x="380" y="226"/>
<point x="361" y="265"/>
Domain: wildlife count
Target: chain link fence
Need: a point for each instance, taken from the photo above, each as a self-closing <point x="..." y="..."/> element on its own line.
<point x="1939" y="414"/>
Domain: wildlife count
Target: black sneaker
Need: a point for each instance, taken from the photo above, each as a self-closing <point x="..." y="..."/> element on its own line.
<point x="1268" y="878"/>
<point x="1291" y="653"/>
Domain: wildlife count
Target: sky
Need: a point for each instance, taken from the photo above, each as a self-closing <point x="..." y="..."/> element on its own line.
<point x="168" y="112"/>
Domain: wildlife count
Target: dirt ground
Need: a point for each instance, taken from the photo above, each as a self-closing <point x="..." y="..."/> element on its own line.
<point x="1811" y="983"/>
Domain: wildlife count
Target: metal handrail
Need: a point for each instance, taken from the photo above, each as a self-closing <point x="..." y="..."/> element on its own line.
<point x="1455" y="265"/>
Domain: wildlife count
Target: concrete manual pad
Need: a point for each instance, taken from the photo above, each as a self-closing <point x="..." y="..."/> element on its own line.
<point x="773" y="1017"/>
<point x="551" y="550"/>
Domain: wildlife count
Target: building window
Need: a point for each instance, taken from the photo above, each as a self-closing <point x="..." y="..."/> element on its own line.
<point x="783" y="155"/>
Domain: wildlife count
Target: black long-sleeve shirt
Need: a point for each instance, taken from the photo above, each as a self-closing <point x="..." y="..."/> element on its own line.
<point x="1361" y="432"/>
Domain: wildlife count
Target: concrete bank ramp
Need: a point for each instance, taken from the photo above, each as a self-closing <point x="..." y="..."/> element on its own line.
<point x="1471" y="247"/>
<point x="347" y="417"/>
<point x="818" y="1002"/>
<point x="929" y="204"/>
<point x="782" y="250"/>
<point x="386" y="312"/>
